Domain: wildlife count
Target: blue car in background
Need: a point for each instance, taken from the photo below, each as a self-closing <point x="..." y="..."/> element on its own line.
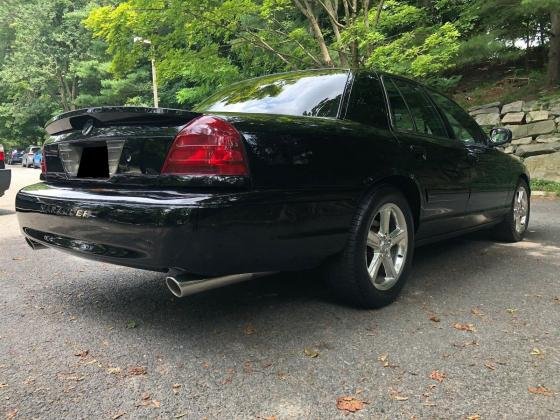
<point x="37" y="158"/>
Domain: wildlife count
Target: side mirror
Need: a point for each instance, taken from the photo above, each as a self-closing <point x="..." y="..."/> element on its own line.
<point x="500" y="136"/>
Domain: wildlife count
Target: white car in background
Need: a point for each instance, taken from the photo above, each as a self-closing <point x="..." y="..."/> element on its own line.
<point x="28" y="155"/>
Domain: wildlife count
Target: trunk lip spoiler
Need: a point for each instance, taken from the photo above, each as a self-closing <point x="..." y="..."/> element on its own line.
<point x="75" y="120"/>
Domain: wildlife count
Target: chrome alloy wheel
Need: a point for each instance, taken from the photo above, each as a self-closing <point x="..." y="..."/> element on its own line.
<point x="387" y="245"/>
<point x="520" y="209"/>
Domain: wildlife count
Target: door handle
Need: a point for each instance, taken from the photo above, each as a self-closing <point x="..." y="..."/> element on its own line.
<point x="419" y="152"/>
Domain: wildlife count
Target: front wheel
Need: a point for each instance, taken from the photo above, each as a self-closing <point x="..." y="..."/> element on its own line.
<point x="515" y="224"/>
<point x="373" y="268"/>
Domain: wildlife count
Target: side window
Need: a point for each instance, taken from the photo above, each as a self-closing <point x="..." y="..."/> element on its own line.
<point x="464" y="127"/>
<point x="426" y="118"/>
<point x="367" y="102"/>
<point x="402" y="120"/>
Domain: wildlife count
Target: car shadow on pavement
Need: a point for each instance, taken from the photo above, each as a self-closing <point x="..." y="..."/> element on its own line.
<point x="288" y="303"/>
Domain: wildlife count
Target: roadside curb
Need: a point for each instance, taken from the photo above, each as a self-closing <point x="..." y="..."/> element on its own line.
<point x="544" y="194"/>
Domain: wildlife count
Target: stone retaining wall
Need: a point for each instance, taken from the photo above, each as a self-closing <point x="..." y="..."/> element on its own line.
<point x="536" y="133"/>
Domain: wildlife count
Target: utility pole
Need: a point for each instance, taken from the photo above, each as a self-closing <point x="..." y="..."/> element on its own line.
<point x="154" y="70"/>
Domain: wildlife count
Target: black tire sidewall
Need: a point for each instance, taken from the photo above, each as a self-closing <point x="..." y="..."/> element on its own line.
<point x="371" y="295"/>
<point x="511" y="217"/>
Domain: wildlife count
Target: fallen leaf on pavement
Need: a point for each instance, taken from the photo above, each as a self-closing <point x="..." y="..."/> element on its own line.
<point x="148" y="402"/>
<point x="474" y="417"/>
<point x="176" y="388"/>
<point x="114" y="370"/>
<point x="464" y="327"/>
<point x="511" y="310"/>
<point x="541" y="390"/>
<point x="477" y="312"/>
<point x="3" y="386"/>
<point x="384" y="359"/>
<point x="436" y="375"/>
<point x="249" y="329"/>
<point x="82" y="353"/>
<point x="131" y="324"/>
<point x="118" y="415"/>
<point x="137" y="370"/>
<point x="17" y="259"/>
<point x="536" y="352"/>
<point x="229" y="378"/>
<point x="70" y="376"/>
<point x="247" y="367"/>
<point x="434" y="318"/>
<point x="490" y="365"/>
<point x="11" y="414"/>
<point x="350" y="404"/>
<point x="395" y="395"/>
<point x="466" y="344"/>
<point x="310" y="352"/>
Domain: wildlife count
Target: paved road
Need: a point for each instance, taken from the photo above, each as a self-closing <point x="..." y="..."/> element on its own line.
<point x="81" y="339"/>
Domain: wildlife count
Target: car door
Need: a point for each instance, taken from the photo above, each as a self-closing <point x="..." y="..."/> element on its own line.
<point x="490" y="183"/>
<point x="438" y="162"/>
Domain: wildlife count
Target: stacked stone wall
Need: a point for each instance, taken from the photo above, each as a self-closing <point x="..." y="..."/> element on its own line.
<point x="536" y="133"/>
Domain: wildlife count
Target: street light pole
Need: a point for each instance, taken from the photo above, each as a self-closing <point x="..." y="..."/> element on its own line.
<point x="154" y="71"/>
<point x="154" y="83"/>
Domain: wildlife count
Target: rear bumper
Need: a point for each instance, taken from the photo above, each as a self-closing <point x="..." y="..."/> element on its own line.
<point x="202" y="233"/>
<point x="5" y="180"/>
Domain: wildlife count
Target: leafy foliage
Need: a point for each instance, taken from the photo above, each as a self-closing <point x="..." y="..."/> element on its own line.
<point x="56" y="55"/>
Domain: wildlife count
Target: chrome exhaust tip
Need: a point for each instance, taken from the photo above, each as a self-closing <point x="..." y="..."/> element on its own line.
<point x="182" y="285"/>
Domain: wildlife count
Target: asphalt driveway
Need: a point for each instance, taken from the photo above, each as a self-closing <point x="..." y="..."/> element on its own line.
<point x="475" y="333"/>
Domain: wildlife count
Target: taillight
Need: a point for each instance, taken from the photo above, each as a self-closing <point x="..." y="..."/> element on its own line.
<point x="2" y="154"/>
<point x="43" y="162"/>
<point x="206" y="146"/>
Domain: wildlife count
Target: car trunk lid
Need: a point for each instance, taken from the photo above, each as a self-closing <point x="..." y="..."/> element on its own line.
<point x="111" y="144"/>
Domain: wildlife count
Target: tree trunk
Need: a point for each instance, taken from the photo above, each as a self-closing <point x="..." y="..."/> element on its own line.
<point x="553" y="72"/>
<point x="308" y="12"/>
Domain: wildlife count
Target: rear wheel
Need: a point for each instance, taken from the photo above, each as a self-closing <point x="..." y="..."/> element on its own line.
<point x="373" y="268"/>
<point x="516" y="222"/>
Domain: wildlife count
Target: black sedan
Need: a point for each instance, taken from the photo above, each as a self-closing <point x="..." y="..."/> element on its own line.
<point x="333" y="168"/>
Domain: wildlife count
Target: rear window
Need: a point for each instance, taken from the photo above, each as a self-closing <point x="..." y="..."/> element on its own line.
<point x="312" y="94"/>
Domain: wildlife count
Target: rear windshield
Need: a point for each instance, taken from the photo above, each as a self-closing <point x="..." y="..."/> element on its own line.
<point x="312" y="94"/>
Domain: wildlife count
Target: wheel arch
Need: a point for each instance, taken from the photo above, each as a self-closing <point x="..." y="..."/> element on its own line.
<point x="408" y="187"/>
<point x="525" y="178"/>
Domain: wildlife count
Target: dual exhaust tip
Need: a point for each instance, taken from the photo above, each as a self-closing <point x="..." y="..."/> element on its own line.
<point x="182" y="285"/>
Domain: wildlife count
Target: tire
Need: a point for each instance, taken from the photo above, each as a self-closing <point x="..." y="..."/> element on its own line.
<point x="514" y="226"/>
<point x="369" y="248"/>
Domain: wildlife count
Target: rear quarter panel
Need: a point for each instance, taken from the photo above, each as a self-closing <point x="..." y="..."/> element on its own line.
<point x="308" y="153"/>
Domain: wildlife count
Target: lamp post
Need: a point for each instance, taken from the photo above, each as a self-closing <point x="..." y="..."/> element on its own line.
<point x="154" y="72"/>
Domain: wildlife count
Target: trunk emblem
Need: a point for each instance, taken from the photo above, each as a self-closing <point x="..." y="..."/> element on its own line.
<point x="88" y="127"/>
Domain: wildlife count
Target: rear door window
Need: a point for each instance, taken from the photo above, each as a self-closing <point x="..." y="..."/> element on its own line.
<point x="423" y="117"/>
<point x="400" y="114"/>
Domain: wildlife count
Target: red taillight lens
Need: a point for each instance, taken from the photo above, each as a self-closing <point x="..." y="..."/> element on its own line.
<point x="206" y="146"/>
<point x="43" y="162"/>
<point x="2" y="155"/>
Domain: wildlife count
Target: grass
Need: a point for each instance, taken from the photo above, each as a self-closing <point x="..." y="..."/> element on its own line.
<point x="548" y="186"/>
